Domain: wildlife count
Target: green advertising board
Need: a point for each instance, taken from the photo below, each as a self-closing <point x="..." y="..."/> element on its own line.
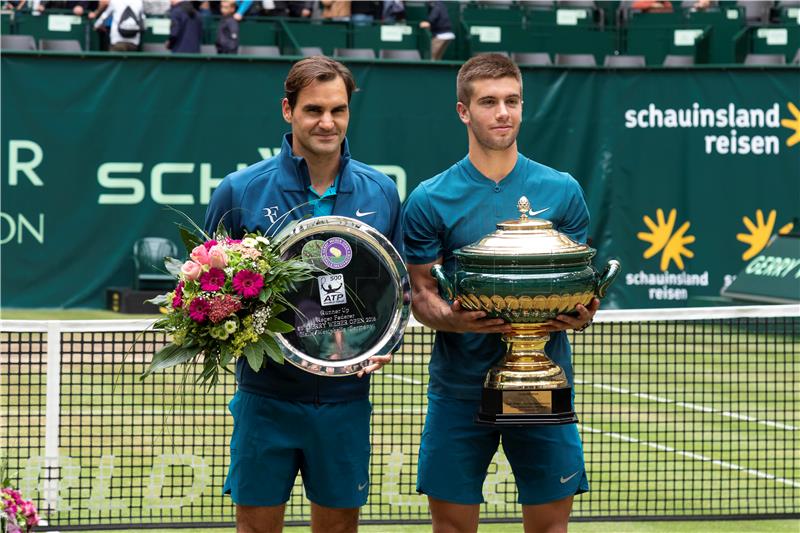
<point x="773" y="276"/>
<point x="687" y="173"/>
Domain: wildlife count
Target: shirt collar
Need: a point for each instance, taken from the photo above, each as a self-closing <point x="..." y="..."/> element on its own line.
<point x="476" y="175"/>
<point x="295" y="169"/>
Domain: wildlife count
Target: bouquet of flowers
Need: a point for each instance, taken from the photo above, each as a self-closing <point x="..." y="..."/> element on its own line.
<point x="226" y="302"/>
<point x="16" y="514"/>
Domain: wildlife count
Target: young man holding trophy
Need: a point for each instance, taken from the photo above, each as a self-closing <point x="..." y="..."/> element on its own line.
<point x="294" y="417"/>
<point x="449" y="212"/>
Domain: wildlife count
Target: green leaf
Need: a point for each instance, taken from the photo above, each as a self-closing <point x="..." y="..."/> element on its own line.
<point x="254" y="353"/>
<point x="225" y="356"/>
<point x="277" y="309"/>
<point x="279" y="326"/>
<point x="273" y="350"/>
<point x="173" y="265"/>
<point x="190" y="240"/>
<point x="169" y="356"/>
<point x="159" y="300"/>
<point x="265" y="295"/>
<point x="222" y="232"/>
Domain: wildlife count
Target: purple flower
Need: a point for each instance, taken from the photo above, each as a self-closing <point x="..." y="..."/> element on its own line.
<point x="213" y="280"/>
<point x="198" y="310"/>
<point x="177" y="300"/>
<point x="248" y="283"/>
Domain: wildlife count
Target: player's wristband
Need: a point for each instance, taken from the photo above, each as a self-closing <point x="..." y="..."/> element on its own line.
<point x="583" y="327"/>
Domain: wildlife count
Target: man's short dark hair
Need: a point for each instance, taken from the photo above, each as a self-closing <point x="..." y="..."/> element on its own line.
<point x="481" y="67"/>
<point x="319" y="68"/>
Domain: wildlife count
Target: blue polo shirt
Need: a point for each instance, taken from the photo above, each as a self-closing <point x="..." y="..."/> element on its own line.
<point x="457" y="208"/>
<point x="323" y="203"/>
<point x="255" y="199"/>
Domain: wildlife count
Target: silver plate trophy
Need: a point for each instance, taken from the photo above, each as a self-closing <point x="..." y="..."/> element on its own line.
<point x="355" y="307"/>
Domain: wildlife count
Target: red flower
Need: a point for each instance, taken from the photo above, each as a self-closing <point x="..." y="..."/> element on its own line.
<point x="177" y="300"/>
<point x="213" y="280"/>
<point x="209" y="244"/>
<point x="248" y="283"/>
<point x="198" y="310"/>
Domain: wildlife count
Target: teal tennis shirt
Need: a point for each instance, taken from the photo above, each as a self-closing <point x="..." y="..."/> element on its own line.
<point x="458" y="207"/>
<point x="323" y="203"/>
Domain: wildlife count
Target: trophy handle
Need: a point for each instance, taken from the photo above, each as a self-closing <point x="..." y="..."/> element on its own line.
<point x="444" y="284"/>
<point x="605" y="279"/>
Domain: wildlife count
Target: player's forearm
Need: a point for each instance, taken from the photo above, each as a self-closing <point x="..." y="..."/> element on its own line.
<point x="432" y="311"/>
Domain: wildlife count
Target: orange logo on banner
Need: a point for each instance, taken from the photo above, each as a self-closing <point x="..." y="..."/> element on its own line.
<point x="760" y="232"/>
<point x="792" y="125"/>
<point x="661" y="237"/>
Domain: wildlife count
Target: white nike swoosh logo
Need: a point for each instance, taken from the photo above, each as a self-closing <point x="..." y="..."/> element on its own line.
<point x="565" y="479"/>
<point x="362" y="487"/>
<point x="360" y="214"/>
<point x="534" y="213"/>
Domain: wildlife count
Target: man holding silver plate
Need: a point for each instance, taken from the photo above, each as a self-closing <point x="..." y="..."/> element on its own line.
<point x="347" y="319"/>
<point x="442" y="217"/>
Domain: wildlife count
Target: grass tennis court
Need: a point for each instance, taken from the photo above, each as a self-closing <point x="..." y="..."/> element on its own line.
<point x="675" y="422"/>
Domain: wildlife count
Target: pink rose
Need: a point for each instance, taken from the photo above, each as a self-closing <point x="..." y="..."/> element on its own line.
<point x="217" y="257"/>
<point x="191" y="270"/>
<point x="200" y="255"/>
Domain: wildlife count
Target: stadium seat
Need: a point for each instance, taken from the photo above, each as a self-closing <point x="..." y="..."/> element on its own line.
<point x="675" y="60"/>
<point x="261" y="51"/>
<point x="410" y="55"/>
<point x="501" y="52"/>
<point x="354" y="53"/>
<point x="576" y="60"/>
<point x="308" y="51"/>
<point x="796" y="60"/>
<point x="537" y="4"/>
<point x="765" y="59"/>
<point x="208" y="49"/>
<point x="157" y="48"/>
<point x="148" y="262"/>
<point x="756" y="12"/>
<point x="17" y="42"/>
<point x="624" y="61"/>
<point x="63" y="45"/>
<point x="531" y="58"/>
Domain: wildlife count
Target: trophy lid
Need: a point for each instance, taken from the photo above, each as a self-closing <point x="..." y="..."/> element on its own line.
<point x="528" y="240"/>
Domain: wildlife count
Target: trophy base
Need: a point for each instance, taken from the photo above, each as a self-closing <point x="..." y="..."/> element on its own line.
<point x="526" y="407"/>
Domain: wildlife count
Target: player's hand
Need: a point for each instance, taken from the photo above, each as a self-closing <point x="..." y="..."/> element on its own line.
<point x="463" y="321"/>
<point x="564" y="322"/>
<point x="377" y="362"/>
<point x="237" y="17"/>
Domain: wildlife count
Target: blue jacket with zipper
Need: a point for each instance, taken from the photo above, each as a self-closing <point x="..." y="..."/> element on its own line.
<point x="253" y="198"/>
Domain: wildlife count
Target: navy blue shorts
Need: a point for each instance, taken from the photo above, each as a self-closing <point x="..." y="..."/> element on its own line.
<point x="273" y="440"/>
<point x="455" y="454"/>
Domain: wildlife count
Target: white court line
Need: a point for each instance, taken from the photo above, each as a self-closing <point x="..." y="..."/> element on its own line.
<point x="400" y="378"/>
<point x="691" y="406"/>
<point x="692" y="455"/>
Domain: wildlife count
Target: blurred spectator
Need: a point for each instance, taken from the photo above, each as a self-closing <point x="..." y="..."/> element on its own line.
<point x="365" y="12"/>
<point x="299" y="9"/>
<point x="701" y="5"/>
<point x="336" y="10"/>
<point x="228" y="29"/>
<point x="393" y="11"/>
<point x="14" y="5"/>
<point x="652" y="6"/>
<point x="156" y="7"/>
<point x="77" y="8"/>
<point x="127" y="24"/>
<point x="186" y="28"/>
<point x="438" y="21"/>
